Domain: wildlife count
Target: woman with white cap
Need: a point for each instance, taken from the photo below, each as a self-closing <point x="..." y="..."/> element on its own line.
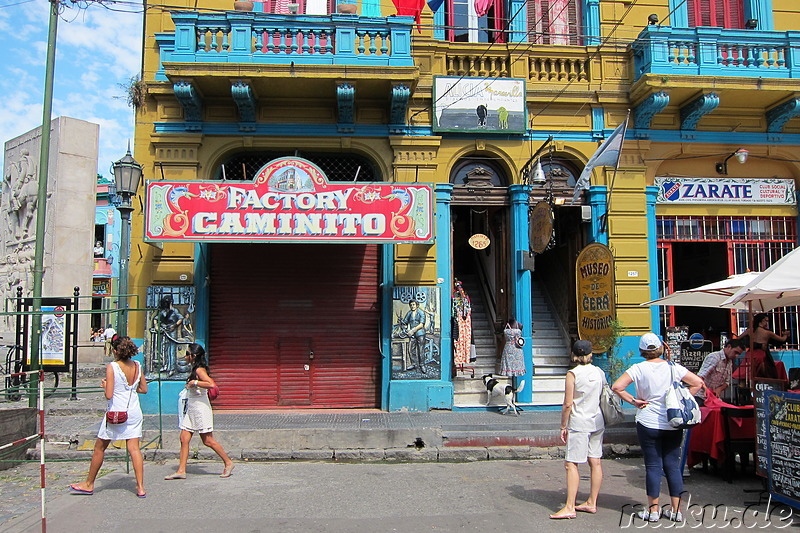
<point x="582" y="428"/>
<point x="660" y="442"/>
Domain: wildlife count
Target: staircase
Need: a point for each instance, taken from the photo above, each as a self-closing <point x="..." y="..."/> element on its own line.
<point x="550" y="352"/>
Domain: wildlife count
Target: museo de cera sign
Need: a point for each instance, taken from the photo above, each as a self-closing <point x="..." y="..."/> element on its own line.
<point x="289" y="200"/>
<point x="594" y="271"/>
<point x="771" y="191"/>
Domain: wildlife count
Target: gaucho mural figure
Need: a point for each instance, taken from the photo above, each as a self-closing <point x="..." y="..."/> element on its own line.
<point x="170" y="332"/>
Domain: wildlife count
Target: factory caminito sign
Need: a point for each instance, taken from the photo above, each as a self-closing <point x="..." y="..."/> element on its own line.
<point x="289" y="200"/>
<point x="595" y="291"/>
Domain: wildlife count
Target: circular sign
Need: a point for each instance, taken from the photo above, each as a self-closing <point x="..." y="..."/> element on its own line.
<point x="59" y="311"/>
<point x="696" y="341"/>
<point x="479" y="241"/>
<point x="541" y="227"/>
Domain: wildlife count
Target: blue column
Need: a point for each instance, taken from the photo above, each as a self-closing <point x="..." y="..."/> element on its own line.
<point x="202" y="260"/>
<point x="651" y="193"/>
<point x="520" y="244"/>
<point x="444" y="262"/>
<point x="598" y="200"/>
<point x="591" y="21"/>
<point x="387" y="282"/>
<point x="761" y="10"/>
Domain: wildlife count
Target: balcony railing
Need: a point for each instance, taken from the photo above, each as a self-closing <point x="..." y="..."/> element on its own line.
<point x="717" y="52"/>
<point x="236" y="37"/>
<point x="541" y="64"/>
<point x="102" y="267"/>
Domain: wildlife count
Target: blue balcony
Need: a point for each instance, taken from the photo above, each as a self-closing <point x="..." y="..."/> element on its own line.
<point x="264" y="38"/>
<point x="707" y="51"/>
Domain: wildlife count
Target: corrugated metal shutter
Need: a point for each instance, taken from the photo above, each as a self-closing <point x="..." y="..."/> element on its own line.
<point x="294" y="325"/>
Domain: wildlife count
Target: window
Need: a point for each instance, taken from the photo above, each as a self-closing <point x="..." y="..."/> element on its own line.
<point x="720" y="13"/>
<point x="695" y="250"/>
<point x="466" y="25"/>
<point x="310" y="7"/>
<point x="554" y="22"/>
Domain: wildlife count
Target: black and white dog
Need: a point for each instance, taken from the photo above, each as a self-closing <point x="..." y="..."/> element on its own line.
<point x="495" y="388"/>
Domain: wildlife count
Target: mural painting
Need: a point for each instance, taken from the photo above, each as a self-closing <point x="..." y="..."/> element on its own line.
<point x="170" y="320"/>
<point x="416" y="333"/>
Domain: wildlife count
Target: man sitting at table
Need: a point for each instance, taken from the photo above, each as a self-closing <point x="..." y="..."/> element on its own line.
<point x="717" y="368"/>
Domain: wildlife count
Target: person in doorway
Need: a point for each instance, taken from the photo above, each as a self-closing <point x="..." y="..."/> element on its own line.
<point x="108" y="334"/>
<point x="414" y="322"/>
<point x="462" y="326"/>
<point x="717" y="369"/>
<point x="198" y="417"/>
<point x="99" y="251"/>
<point x="582" y="428"/>
<point x="512" y="361"/>
<point x="660" y="442"/>
<point x="122" y="385"/>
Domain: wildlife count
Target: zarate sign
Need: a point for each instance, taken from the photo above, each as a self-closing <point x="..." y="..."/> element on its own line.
<point x="290" y="200"/>
<point x="772" y="191"/>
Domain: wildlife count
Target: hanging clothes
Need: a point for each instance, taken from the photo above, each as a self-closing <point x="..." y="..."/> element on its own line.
<point x="410" y="7"/>
<point x="482" y="7"/>
<point x="462" y="313"/>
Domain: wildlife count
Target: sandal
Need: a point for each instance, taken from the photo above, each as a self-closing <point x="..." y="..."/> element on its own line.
<point x="586" y="509"/>
<point x="175" y="476"/>
<point x="226" y="472"/>
<point x="556" y="516"/>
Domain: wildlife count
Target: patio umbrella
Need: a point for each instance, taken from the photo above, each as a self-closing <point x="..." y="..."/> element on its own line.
<point x="710" y="295"/>
<point x="778" y="286"/>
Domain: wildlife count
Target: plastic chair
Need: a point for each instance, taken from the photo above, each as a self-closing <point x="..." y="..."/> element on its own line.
<point x="743" y="447"/>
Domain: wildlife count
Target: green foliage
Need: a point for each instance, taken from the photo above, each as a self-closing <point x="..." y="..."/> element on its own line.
<point x="617" y="364"/>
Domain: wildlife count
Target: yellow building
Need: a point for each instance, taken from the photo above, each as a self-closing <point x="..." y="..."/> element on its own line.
<point x="447" y="133"/>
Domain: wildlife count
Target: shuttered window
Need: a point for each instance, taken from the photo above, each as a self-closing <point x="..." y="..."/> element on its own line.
<point x="294" y="325"/>
<point x="718" y="13"/>
<point x="554" y="22"/>
<point x="465" y="25"/>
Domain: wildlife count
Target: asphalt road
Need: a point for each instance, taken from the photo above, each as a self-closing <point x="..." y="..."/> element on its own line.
<point x="486" y="496"/>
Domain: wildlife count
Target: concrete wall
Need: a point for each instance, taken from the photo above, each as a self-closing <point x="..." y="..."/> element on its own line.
<point x="16" y="424"/>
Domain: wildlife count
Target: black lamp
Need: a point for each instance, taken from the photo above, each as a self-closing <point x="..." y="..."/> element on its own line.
<point x="652" y="19"/>
<point x="751" y="24"/>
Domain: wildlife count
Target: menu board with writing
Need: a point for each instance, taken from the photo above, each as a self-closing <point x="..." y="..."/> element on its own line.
<point x="783" y="445"/>
<point x="692" y="357"/>
<point x="763" y="385"/>
<point x="673" y="337"/>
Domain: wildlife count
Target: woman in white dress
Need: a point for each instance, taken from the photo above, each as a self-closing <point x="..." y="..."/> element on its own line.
<point x="197" y="414"/>
<point x="122" y="385"/>
<point x="582" y="428"/>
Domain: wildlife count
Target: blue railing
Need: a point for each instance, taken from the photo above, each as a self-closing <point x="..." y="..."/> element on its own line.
<point x="236" y="37"/>
<point x="717" y="52"/>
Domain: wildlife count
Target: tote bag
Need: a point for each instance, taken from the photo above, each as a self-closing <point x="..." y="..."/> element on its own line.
<point x="682" y="409"/>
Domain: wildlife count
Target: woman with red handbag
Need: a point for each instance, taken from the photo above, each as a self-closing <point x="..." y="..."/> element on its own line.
<point x="123" y="419"/>
<point x="195" y="412"/>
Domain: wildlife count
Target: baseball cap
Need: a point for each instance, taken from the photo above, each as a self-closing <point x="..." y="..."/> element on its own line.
<point x="581" y="348"/>
<point x="649" y="341"/>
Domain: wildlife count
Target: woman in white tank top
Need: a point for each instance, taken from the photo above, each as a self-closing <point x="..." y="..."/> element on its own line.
<point x="582" y="429"/>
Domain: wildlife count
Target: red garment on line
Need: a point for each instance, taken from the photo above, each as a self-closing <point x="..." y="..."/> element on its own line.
<point x="410" y="7"/>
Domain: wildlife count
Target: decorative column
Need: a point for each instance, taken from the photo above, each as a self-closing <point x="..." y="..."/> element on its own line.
<point x="520" y="244"/>
<point x="651" y="193"/>
<point x="598" y="200"/>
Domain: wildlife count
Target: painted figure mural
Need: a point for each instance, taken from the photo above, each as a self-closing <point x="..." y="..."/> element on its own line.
<point x="416" y="333"/>
<point x="170" y="331"/>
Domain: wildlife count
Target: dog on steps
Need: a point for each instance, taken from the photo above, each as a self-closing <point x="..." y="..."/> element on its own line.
<point x="494" y="388"/>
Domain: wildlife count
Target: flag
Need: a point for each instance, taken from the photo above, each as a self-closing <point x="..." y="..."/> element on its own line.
<point x="435" y="4"/>
<point x="605" y="156"/>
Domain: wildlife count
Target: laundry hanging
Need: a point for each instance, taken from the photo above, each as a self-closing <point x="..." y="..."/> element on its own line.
<point x="482" y="7"/>
<point x="410" y="7"/>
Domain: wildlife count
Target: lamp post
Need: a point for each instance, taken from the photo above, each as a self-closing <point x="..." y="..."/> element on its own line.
<point x="127" y="174"/>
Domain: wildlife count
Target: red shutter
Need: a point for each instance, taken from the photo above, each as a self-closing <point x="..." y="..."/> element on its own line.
<point x="277" y="308"/>
<point x="719" y="13"/>
<point x="575" y="25"/>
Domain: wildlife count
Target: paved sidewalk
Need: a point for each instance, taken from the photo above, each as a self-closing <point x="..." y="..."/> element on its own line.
<point x="287" y="497"/>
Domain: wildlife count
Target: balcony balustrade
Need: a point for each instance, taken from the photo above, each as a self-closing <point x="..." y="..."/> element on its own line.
<point x="264" y="38"/>
<point x="102" y="267"/>
<point x="717" y="52"/>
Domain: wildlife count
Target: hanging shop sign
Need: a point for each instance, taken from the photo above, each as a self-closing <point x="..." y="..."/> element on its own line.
<point x="596" y="306"/>
<point x="479" y="241"/>
<point x="289" y="200"/>
<point x="773" y="191"/>
<point x="541" y="227"/>
<point x="486" y="105"/>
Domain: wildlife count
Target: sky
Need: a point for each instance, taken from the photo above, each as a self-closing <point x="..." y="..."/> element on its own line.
<point x="98" y="50"/>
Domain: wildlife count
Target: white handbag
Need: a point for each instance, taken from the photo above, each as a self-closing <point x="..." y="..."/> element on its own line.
<point x="682" y="409"/>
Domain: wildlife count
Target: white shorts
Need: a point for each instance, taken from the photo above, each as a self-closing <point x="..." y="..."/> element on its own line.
<point x="582" y="444"/>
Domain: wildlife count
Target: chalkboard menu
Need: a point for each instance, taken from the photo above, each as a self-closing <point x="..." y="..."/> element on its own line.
<point x="762" y="386"/>
<point x="783" y="431"/>
<point x="673" y="338"/>
<point x="692" y="357"/>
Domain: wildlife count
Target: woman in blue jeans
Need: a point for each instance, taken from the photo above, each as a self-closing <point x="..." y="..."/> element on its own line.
<point x="660" y="442"/>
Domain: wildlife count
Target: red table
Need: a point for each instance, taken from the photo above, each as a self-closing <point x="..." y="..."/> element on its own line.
<point x="708" y="438"/>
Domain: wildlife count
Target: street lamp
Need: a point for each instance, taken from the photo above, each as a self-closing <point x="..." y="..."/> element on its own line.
<point x="127" y="174"/>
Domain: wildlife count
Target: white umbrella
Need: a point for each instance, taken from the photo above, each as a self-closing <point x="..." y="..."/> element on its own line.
<point x="710" y="295"/>
<point x="778" y="286"/>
